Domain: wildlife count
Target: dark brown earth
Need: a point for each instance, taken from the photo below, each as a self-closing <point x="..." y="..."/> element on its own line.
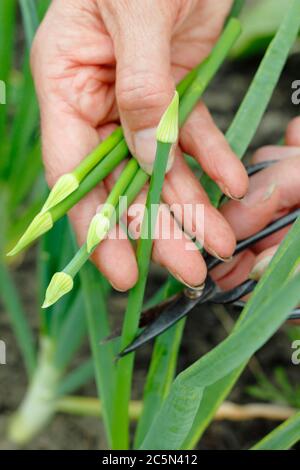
<point x="68" y="432"/>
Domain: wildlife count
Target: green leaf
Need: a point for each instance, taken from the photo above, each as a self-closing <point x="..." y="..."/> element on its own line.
<point x="77" y="378"/>
<point x="272" y="300"/>
<point x="98" y="328"/>
<point x="159" y="378"/>
<point x="21" y="328"/>
<point x="71" y="334"/>
<point x="30" y="19"/>
<point x="23" y="130"/>
<point x="135" y="299"/>
<point x="283" y="437"/>
<point x="7" y="37"/>
<point x="260" y="21"/>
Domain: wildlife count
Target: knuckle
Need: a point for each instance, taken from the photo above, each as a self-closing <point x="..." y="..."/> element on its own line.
<point x="142" y="91"/>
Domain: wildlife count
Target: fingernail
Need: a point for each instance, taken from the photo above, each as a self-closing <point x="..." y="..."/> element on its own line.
<point x="144" y="142"/>
<point x="171" y="158"/>
<point x="259" y="196"/>
<point x="227" y="192"/>
<point x="179" y="278"/>
<point x="145" y="148"/>
<point x="269" y="192"/>
<point x="259" y="268"/>
<point x="221" y="258"/>
<point x="117" y="288"/>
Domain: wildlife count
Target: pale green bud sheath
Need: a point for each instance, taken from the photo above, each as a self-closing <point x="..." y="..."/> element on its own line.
<point x="60" y="284"/>
<point x="98" y="229"/>
<point x="40" y="225"/>
<point x="69" y="182"/>
<point x="100" y="172"/>
<point x="101" y="222"/>
<point x="64" y="186"/>
<point x="167" y="130"/>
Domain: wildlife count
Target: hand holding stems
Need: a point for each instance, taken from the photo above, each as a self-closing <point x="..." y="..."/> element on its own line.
<point x="167" y="135"/>
<point x="94" y="70"/>
<point x="273" y="193"/>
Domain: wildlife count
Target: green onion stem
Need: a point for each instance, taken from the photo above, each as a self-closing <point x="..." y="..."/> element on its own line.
<point x="122" y="182"/>
<point x="120" y="421"/>
<point x="208" y="68"/>
<point x="88" y="163"/>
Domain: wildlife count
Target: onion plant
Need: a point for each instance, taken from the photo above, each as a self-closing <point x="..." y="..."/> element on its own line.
<point x="174" y="411"/>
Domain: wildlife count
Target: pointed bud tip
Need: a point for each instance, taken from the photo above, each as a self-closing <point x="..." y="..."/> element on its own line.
<point x="45" y="304"/>
<point x="40" y="225"/>
<point x="63" y="187"/>
<point x="167" y="130"/>
<point x="60" y="284"/>
<point x="98" y="229"/>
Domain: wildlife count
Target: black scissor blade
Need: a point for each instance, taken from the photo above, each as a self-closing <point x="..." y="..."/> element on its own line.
<point x="149" y="315"/>
<point x="173" y="312"/>
<point x="171" y="315"/>
<point x="232" y="295"/>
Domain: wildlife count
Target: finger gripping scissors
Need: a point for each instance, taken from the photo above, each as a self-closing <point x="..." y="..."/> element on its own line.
<point x="158" y="319"/>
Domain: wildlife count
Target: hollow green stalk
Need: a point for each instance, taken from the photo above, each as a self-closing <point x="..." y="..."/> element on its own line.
<point x="90" y="406"/>
<point x="167" y="134"/>
<point x="208" y="68"/>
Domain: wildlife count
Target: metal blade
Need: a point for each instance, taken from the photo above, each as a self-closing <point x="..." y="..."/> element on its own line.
<point x="232" y="295"/>
<point x="174" y="312"/>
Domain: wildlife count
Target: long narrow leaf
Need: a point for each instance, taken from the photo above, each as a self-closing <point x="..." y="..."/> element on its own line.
<point x="162" y="366"/>
<point x="30" y="19"/>
<point x="160" y="377"/>
<point x="71" y="334"/>
<point x="262" y="316"/>
<point x="21" y="328"/>
<point x="8" y="23"/>
<point x="283" y="437"/>
<point x="77" y="378"/>
<point x="98" y="328"/>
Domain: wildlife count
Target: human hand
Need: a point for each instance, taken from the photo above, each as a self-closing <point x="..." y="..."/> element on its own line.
<point x="273" y="193"/>
<point x="95" y="62"/>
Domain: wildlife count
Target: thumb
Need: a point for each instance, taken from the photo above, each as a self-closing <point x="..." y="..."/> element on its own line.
<point x="141" y="33"/>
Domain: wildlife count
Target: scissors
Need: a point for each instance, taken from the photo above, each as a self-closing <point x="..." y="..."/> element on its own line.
<point x="158" y="319"/>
